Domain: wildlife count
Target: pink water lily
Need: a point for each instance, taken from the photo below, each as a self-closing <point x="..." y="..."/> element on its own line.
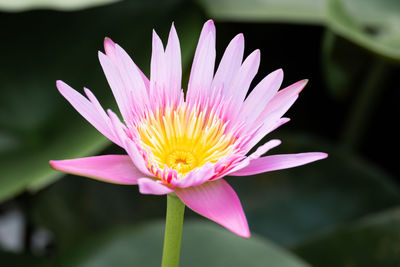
<point x="186" y="145"/>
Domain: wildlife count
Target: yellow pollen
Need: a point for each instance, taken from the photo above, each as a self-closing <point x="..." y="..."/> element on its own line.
<point x="181" y="161"/>
<point x="184" y="138"/>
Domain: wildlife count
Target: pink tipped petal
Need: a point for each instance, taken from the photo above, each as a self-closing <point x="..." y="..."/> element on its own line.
<point x="90" y="110"/>
<point x="157" y="65"/>
<point x="217" y="201"/>
<point x="173" y="60"/>
<point x="132" y="78"/>
<point x="99" y="108"/>
<point x="261" y="150"/>
<point x="230" y="63"/>
<point x="116" y="84"/>
<point x="283" y="95"/>
<point x="244" y="77"/>
<point x="280" y="122"/>
<point x="109" y="47"/>
<point x="202" y="70"/>
<point x="150" y="187"/>
<point x="279" y="162"/>
<point x="117" y="169"/>
<point x="261" y="95"/>
<point x="271" y="122"/>
<point x="125" y="80"/>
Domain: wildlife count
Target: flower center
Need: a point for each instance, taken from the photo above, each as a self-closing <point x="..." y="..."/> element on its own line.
<point x="183" y="138"/>
<point x="181" y="161"/>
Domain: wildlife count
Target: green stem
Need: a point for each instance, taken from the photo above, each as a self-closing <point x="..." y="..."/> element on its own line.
<point x="173" y="231"/>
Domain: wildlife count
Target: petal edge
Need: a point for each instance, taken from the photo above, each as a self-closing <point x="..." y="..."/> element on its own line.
<point x="218" y="202"/>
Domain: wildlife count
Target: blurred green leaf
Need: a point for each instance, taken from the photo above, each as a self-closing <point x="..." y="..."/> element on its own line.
<point x="17" y="260"/>
<point x="372" y="24"/>
<point x="341" y="78"/>
<point x="294" y="11"/>
<point x="203" y="244"/>
<point x="75" y="207"/>
<point x="22" y="5"/>
<point x="291" y="205"/>
<point x="36" y="123"/>
<point x="372" y="241"/>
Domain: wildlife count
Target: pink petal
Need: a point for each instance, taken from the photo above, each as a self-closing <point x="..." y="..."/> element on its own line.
<point x="242" y="80"/>
<point x="261" y="150"/>
<point x="125" y="81"/>
<point x="270" y="122"/>
<point x="135" y="88"/>
<point x="196" y="177"/>
<point x="282" y="96"/>
<point x="230" y="63"/>
<point x="128" y="144"/>
<point x="150" y="187"/>
<point x="261" y="95"/>
<point x="157" y="65"/>
<point x="278" y="162"/>
<point x="109" y="47"/>
<point x="117" y="169"/>
<point x="116" y="84"/>
<point x="217" y="201"/>
<point x="90" y="110"/>
<point x="202" y="70"/>
<point x="173" y="60"/>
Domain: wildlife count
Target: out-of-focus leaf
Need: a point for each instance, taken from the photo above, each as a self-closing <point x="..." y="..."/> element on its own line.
<point x="288" y="206"/>
<point x="372" y="241"/>
<point x="342" y="77"/>
<point x="17" y="260"/>
<point x="22" y="5"/>
<point x="75" y="207"/>
<point x="373" y="24"/>
<point x="203" y="244"/>
<point x="293" y="11"/>
<point x="36" y="123"/>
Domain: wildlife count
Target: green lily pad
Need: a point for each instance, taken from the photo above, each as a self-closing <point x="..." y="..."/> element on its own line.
<point x="372" y="24"/>
<point x="22" y="5"/>
<point x="203" y="244"/>
<point x="292" y="11"/>
<point x="36" y="123"/>
<point x="371" y="241"/>
<point x="289" y="206"/>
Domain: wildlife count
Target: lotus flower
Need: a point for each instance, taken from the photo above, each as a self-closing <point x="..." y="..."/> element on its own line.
<point x="187" y="144"/>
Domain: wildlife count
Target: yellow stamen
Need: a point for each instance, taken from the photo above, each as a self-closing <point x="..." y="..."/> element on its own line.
<point x="183" y="138"/>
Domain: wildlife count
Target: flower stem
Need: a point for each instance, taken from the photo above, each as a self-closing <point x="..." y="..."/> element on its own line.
<point x="173" y="231"/>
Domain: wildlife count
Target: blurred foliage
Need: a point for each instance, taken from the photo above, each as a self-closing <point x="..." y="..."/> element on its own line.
<point x="337" y="212"/>
<point x="22" y="5"/>
<point x="371" y="241"/>
<point x="13" y="259"/>
<point x="294" y="11"/>
<point x="373" y="24"/>
<point x="203" y="244"/>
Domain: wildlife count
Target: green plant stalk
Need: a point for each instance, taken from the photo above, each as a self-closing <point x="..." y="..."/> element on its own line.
<point x="173" y="231"/>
